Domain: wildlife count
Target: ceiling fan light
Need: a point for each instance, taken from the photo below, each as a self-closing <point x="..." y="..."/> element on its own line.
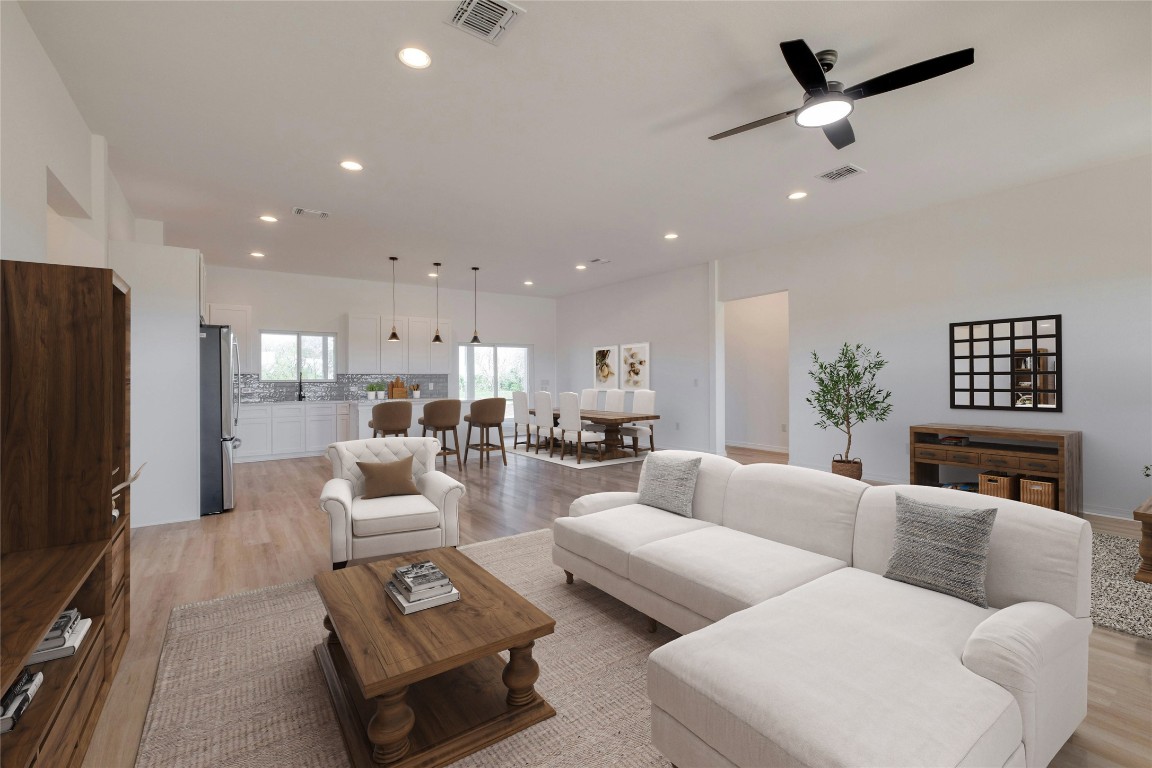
<point x="824" y="110"/>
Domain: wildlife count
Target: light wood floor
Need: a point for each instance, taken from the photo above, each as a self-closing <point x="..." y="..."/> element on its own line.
<point x="278" y="534"/>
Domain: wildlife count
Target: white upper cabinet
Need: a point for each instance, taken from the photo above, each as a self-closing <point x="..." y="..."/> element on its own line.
<point x="419" y="345"/>
<point x="393" y="354"/>
<point x="442" y="355"/>
<point x="240" y="318"/>
<point x="363" y="343"/>
<point x="369" y="350"/>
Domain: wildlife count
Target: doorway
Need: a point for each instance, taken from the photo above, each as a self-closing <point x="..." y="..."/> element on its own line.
<point x="756" y="378"/>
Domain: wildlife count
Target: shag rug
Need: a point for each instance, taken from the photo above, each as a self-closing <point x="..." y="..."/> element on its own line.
<point x="238" y="684"/>
<point x="1118" y="601"/>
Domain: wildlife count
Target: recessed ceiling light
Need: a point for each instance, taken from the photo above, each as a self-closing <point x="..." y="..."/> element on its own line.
<point x="269" y="219"/>
<point x="797" y="195"/>
<point x="581" y="266"/>
<point x="351" y="165"/>
<point x="671" y="236"/>
<point x="528" y="282"/>
<point x="415" y="58"/>
<point x="256" y="255"/>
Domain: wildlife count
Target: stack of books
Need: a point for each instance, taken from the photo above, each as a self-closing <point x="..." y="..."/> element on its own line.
<point x="63" y="639"/>
<point x="954" y="440"/>
<point x="17" y="698"/>
<point x="421" y="585"/>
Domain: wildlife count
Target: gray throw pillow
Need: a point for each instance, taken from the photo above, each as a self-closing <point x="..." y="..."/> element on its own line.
<point x="942" y="548"/>
<point x="668" y="483"/>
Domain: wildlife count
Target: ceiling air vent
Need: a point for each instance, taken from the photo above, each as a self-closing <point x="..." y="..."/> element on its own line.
<point x="310" y="212"/>
<point x="485" y="19"/>
<point x="841" y="173"/>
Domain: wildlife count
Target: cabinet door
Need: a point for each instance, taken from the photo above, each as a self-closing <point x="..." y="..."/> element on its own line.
<point x="288" y="432"/>
<point x="443" y="355"/>
<point x="240" y="318"/>
<point x="419" y="345"/>
<point x="393" y="354"/>
<point x="342" y="426"/>
<point x="320" y="430"/>
<point x="363" y="343"/>
<point x="255" y="437"/>
<point x="364" y="415"/>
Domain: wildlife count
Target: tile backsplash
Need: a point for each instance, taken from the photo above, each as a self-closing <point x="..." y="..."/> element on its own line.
<point x="348" y="386"/>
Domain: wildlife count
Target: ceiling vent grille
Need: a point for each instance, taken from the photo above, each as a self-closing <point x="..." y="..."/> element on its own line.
<point x="841" y="173"/>
<point x="485" y="19"/>
<point x="310" y="212"/>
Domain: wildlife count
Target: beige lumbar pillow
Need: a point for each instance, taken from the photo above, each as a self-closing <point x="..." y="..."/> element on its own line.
<point x="392" y="478"/>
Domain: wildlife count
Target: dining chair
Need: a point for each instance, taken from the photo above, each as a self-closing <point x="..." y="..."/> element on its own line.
<point x="391" y="418"/>
<point x="484" y="415"/>
<point x="520" y="416"/>
<point x="570" y="428"/>
<point x="441" y="416"/>
<point x="544" y="419"/>
<point x="588" y="402"/>
<point x="643" y="401"/>
<point x="613" y="401"/>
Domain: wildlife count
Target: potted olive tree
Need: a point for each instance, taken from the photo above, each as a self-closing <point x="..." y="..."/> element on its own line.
<point x="846" y="394"/>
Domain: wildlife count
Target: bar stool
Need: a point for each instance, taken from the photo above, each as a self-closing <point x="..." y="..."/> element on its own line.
<point x="486" y="414"/>
<point x="441" y="416"/>
<point x="391" y="418"/>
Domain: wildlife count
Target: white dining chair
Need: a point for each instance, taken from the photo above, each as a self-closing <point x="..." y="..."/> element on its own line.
<point x="588" y="402"/>
<point x="521" y="417"/>
<point x="570" y="428"/>
<point x="643" y="401"/>
<point x="544" y="419"/>
<point x="613" y="401"/>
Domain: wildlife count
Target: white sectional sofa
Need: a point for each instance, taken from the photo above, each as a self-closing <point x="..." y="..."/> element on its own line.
<point x="796" y="651"/>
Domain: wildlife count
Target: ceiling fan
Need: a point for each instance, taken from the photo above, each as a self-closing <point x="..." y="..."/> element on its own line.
<point x="828" y="103"/>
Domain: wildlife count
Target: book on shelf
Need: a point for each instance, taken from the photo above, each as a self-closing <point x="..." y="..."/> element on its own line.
<point x="419" y="576"/>
<point x="22" y="681"/>
<point x="20" y="701"/>
<point x="75" y="638"/>
<point x="407" y="606"/>
<point x="64" y="623"/>
<point x="953" y="440"/>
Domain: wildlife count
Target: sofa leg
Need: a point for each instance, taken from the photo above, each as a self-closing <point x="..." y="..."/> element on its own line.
<point x="339" y="565"/>
<point x="567" y="577"/>
<point x="652" y="625"/>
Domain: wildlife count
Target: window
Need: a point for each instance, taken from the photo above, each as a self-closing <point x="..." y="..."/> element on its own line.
<point x="493" y="370"/>
<point x="290" y="356"/>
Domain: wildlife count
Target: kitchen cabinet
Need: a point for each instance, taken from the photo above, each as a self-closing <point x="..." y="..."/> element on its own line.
<point x="240" y="319"/>
<point x="364" y="343"/>
<point x="254" y="428"/>
<point x="288" y="428"/>
<point x="419" y="341"/>
<point x="393" y="354"/>
<point x="369" y="350"/>
<point x="319" y="426"/>
<point x="291" y="429"/>
<point x="343" y="422"/>
<point x="443" y="355"/>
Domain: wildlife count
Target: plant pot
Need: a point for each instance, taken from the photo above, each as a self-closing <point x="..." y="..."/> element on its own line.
<point x="415" y="395"/>
<point x="853" y="469"/>
<point x="373" y="395"/>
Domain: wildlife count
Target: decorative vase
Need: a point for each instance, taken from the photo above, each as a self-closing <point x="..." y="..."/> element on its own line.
<point x="853" y="469"/>
<point x="416" y="395"/>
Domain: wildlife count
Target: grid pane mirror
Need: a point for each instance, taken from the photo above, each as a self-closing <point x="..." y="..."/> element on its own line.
<point x="1011" y="364"/>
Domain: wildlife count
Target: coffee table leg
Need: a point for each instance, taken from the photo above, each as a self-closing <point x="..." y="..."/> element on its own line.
<point x="519" y="675"/>
<point x="389" y="728"/>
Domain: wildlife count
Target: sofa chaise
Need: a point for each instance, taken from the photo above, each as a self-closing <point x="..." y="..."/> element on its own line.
<point x="796" y="651"/>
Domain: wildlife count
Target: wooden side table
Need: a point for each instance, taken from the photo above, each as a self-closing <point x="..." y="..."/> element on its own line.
<point x="1143" y="513"/>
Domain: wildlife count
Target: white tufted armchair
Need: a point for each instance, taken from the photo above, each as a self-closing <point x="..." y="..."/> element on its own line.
<point x="376" y="527"/>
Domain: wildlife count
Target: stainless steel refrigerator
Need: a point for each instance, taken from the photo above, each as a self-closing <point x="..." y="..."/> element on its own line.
<point x="219" y="414"/>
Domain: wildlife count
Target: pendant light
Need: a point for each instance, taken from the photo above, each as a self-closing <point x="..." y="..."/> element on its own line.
<point x="436" y="339"/>
<point x="475" y="333"/>
<point x="393" y="336"/>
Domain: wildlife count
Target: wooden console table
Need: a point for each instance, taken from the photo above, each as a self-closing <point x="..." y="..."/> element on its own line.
<point x="1143" y="513"/>
<point x="1042" y="453"/>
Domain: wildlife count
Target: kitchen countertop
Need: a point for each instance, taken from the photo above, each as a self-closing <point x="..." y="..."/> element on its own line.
<point x="361" y="401"/>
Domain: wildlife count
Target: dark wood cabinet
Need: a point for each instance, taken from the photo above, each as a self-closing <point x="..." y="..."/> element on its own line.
<point x="1052" y="455"/>
<point x="64" y="413"/>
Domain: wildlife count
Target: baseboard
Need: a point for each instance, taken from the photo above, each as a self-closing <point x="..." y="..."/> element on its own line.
<point x="759" y="446"/>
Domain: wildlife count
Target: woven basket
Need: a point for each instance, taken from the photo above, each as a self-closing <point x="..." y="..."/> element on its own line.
<point x="999" y="484"/>
<point x="1042" y="493"/>
<point x="853" y="469"/>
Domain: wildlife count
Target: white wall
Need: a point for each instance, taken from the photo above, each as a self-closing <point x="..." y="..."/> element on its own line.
<point x="165" y="379"/>
<point x="1080" y="245"/>
<point x="290" y="302"/>
<point x="756" y="372"/>
<point x="674" y="312"/>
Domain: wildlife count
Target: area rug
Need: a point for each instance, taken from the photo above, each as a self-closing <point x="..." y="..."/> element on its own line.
<point x="588" y="462"/>
<point x="1118" y="601"/>
<point x="238" y="684"/>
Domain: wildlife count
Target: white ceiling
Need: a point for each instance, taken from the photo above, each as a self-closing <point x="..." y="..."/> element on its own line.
<point x="584" y="134"/>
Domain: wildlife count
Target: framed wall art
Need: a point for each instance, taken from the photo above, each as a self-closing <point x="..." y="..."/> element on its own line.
<point x="635" y="366"/>
<point x="605" y="367"/>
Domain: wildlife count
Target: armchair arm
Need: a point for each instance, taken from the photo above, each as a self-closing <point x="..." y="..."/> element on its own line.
<point x="445" y="493"/>
<point x="336" y="500"/>
<point x="598" y="502"/>
<point x="1039" y="654"/>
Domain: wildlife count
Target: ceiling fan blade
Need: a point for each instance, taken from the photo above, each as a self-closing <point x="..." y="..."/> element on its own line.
<point x="750" y="126"/>
<point x="840" y="133"/>
<point x="804" y="66"/>
<point x="912" y="74"/>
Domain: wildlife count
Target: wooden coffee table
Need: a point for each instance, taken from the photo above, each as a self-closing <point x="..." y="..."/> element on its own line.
<point x="428" y="688"/>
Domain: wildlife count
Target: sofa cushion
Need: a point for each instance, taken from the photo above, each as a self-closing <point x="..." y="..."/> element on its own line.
<point x="711" y="483"/>
<point x="849" y="669"/>
<point x="393" y="514"/>
<point x="716" y="571"/>
<point x="607" y="538"/>
<point x="668" y="483"/>
<point x="942" y="548"/>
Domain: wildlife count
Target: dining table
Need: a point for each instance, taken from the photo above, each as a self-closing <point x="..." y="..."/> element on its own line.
<point x="611" y="421"/>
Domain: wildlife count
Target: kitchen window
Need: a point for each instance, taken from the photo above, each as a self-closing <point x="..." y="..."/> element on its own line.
<point x="292" y="356"/>
<point x="494" y="370"/>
